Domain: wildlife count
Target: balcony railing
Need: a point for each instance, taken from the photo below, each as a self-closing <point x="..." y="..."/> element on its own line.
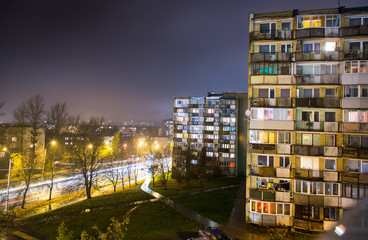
<point x="271" y="102"/>
<point x="308" y="174"/>
<point x="269" y="219"/>
<point x="272" y="57"/>
<point x="317" y="151"/>
<point x="309" y="225"/>
<point x="355" y="127"/>
<point x="354" y="30"/>
<point x="318" y="102"/>
<point x="330" y="79"/>
<point x="354" y="177"/>
<point x="355" y="152"/>
<point x="263" y="171"/>
<point x="272" y="35"/>
<point x="361" y="54"/>
<point x="317" y="126"/>
<point x="317" y="32"/>
<point x="318" y="56"/>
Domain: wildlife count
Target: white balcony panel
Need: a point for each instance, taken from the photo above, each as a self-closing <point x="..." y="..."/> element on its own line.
<point x="282" y="196"/>
<point x="331" y="201"/>
<point x="331" y="126"/>
<point x="283" y="148"/>
<point x="283" y="220"/>
<point x="285" y="79"/>
<point x="283" y="172"/>
<point x="355" y="103"/>
<point x="272" y="125"/>
<point x="329" y="225"/>
<point x="330" y="176"/>
<point x="331" y="151"/>
<point x="354" y="78"/>
<point x="348" y="202"/>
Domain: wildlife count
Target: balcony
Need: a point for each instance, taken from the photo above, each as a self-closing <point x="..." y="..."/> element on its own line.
<point x="355" y="152"/>
<point x="317" y="126"/>
<point x="331" y="79"/>
<point x="309" y="225"/>
<point x="360" y="54"/>
<point x="354" y="177"/>
<point x="330" y="176"/>
<point x="262" y="148"/>
<point x="317" y="32"/>
<point x="354" y="78"/>
<point x="264" y="195"/>
<point x="354" y="102"/>
<point x="272" y="57"/>
<point x="356" y="30"/>
<point x="283" y="172"/>
<point x="263" y="171"/>
<point x="271" y="125"/>
<point x="351" y="127"/>
<point x="308" y="150"/>
<point x="303" y="199"/>
<point x="272" y="35"/>
<point x="272" y="79"/>
<point x="269" y="220"/>
<point x="318" y="102"/>
<point x="308" y="174"/>
<point x="318" y="56"/>
<point x="271" y="102"/>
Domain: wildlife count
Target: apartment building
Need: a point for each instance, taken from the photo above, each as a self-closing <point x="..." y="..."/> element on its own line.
<point x="212" y="123"/>
<point x="308" y="131"/>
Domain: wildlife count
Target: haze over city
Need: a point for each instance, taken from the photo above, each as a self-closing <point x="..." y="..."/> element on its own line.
<point x="127" y="59"/>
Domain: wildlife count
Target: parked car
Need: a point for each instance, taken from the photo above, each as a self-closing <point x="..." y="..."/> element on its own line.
<point x="212" y="233"/>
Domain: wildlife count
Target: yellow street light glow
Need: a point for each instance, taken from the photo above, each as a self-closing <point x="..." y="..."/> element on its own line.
<point x="90" y="146"/>
<point x="5" y="149"/>
<point x="140" y="144"/>
<point x="53" y="142"/>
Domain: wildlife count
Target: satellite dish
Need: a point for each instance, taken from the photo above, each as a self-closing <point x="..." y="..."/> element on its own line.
<point x="247" y="113"/>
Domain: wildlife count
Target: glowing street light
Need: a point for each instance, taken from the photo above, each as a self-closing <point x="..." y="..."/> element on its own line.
<point x="7" y="195"/>
<point x="44" y="158"/>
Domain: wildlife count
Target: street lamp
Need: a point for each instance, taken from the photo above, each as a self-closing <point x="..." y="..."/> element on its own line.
<point x="7" y="195"/>
<point x="44" y="158"/>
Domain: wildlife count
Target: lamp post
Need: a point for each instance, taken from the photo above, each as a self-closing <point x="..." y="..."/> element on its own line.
<point x="44" y="158"/>
<point x="7" y="195"/>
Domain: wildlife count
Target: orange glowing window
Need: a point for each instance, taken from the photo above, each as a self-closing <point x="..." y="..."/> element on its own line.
<point x="232" y="164"/>
<point x="272" y="208"/>
<point x="265" y="207"/>
<point x="259" y="207"/>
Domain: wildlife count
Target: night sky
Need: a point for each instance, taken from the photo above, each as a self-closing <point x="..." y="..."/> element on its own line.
<point x="127" y="60"/>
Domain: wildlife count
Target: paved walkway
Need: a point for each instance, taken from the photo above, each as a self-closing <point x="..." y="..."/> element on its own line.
<point x="236" y="226"/>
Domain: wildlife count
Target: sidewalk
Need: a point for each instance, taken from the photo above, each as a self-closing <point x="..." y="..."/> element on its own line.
<point x="236" y="226"/>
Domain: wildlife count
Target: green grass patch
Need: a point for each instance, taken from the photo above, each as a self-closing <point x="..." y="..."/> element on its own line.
<point x="118" y="198"/>
<point x="175" y="188"/>
<point x="216" y="205"/>
<point x="81" y="222"/>
<point x="157" y="220"/>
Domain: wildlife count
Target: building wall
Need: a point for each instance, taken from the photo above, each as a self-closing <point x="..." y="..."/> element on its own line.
<point x="308" y="103"/>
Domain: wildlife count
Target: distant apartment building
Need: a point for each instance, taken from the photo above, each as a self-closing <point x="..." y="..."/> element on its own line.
<point x="212" y="123"/>
<point x="166" y="128"/>
<point x="308" y="129"/>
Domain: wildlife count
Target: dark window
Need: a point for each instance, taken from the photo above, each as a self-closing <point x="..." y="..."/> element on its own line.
<point x="286" y="26"/>
<point x="285" y="93"/>
<point x="263" y="93"/>
<point x="354" y="21"/>
<point x="264" y="28"/>
<point x="354" y="141"/>
<point x="330" y="116"/>
<point x="307" y="116"/>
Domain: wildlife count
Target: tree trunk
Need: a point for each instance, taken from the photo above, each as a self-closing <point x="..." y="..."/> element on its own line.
<point x="88" y="192"/>
<point x="24" y="195"/>
<point x="114" y="187"/>
<point x="51" y="186"/>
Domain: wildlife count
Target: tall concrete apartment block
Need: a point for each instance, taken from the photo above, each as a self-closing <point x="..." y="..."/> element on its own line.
<point x="308" y="128"/>
<point x="212" y="122"/>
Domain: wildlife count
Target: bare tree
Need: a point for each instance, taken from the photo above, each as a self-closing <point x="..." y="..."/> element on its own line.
<point x="153" y="167"/>
<point x="88" y="141"/>
<point x="129" y="172"/>
<point x="165" y="169"/>
<point x="20" y="120"/>
<point x="58" y="118"/>
<point x="202" y="168"/>
<point x="34" y="110"/>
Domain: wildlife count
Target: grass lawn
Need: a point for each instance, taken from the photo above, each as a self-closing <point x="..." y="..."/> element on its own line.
<point x="215" y="205"/>
<point x="175" y="188"/>
<point x="81" y="222"/>
<point x="118" y="198"/>
<point x="157" y="220"/>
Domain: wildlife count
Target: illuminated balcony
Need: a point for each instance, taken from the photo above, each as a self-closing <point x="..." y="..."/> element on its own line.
<point x="354" y="177"/>
<point x="284" y="79"/>
<point x="354" y="78"/>
<point x="354" y="152"/>
<point x="359" y="54"/>
<point x="317" y="126"/>
<point x="270" y="220"/>
<point x="317" y="32"/>
<point x="318" y="56"/>
<point x="271" y="102"/>
<point x="308" y="174"/>
<point x="354" y="102"/>
<point x="309" y="225"/>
